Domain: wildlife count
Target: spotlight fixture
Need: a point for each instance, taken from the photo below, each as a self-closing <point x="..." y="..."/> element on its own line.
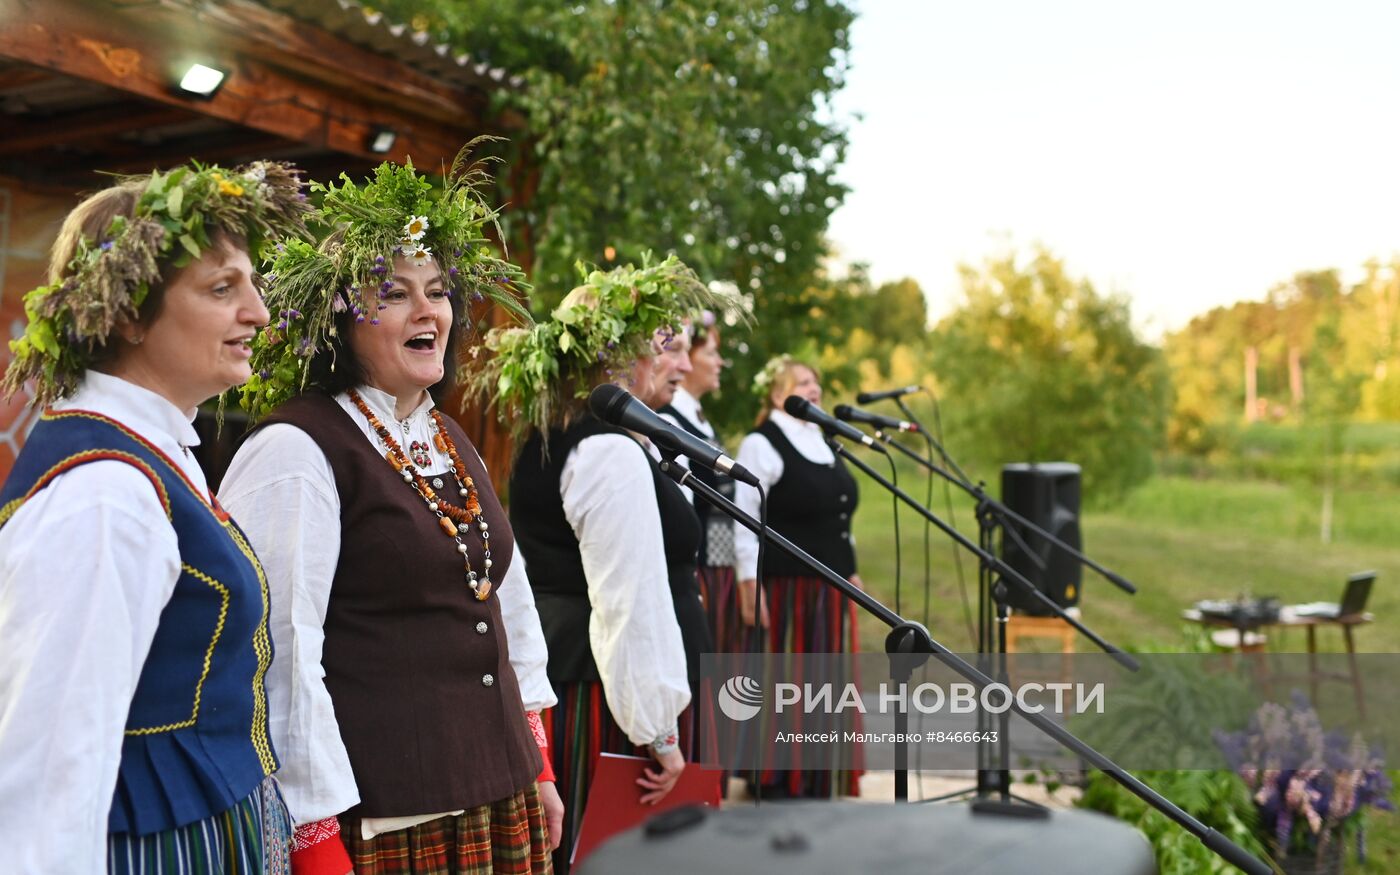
<point x="381" y="140"/>
<point x="201" y="81"/>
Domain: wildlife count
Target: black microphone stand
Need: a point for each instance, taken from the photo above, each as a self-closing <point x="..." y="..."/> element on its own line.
<point x="992" y="780"/>
<point x="909" y="645"/>
<point x="993" y="611"/>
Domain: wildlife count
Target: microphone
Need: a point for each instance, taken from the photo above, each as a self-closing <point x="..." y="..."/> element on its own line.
<point x="848" y="413"/>
<point x="809" y="412"/>
<point x="616" y="406"/>
<point x="867" y="397"/>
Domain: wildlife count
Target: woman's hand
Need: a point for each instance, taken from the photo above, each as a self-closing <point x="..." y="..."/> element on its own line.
<point x="854" y="580"/>
<point x="659" y="782"/>
<point x="748" y="593"/>
<point x="553" y="812"/>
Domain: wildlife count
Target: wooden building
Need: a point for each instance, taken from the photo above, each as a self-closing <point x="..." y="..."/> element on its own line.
<point x="92" y="86"/>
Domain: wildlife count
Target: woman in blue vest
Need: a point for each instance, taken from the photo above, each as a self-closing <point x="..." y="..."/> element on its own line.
<point x="811" y="496"/>
<point x="133" y="615"/>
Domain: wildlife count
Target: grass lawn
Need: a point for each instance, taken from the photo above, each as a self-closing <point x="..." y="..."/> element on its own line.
<point x="1180" y="540"/>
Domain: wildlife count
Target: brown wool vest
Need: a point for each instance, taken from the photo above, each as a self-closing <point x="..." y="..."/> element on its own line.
<point x="418" y="670"/>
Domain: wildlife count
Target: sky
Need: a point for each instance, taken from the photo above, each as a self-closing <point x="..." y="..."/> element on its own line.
<point x="1186" y="154"/>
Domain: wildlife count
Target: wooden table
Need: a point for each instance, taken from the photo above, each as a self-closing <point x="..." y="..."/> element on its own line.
<point x="1289" y="620"/>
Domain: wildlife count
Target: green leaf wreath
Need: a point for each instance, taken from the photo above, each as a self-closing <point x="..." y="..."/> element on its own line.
<point x="399" y="212"/>
<point x="599" y="328"/>
<point x="108" y="279"/>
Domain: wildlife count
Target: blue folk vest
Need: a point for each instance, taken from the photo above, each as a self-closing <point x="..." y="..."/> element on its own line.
<point x="196" y="740"/>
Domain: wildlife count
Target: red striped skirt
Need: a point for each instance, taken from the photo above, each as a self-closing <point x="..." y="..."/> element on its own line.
<point x="507" y="837"/>
<point x="721" y="594"/>
<point x="807" y="615"/>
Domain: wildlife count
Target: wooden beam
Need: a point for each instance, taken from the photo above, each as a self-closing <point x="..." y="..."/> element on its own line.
<point x="15" y="77"/>
<point x="69" y="37"/>
<point x="271" y="37"/>
<point x="24" y="135"/>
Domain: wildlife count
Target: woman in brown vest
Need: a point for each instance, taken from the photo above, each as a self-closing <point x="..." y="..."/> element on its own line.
<point x="410" y="665"/>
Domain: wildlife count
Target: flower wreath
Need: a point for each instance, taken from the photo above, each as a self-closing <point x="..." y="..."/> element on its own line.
<point x="605" y="323"/>
<point x="763" y="380"/>
<point x="399" y="212"/>
<point x="107" y="280"/>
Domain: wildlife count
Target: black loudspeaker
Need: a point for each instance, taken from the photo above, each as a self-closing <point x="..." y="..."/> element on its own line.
<point x="1047" y="494"/>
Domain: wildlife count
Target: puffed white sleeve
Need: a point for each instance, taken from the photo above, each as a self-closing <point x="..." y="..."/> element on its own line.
<point x="757" y="454"/>
<point x="86" y="567"/>
<point x="610" y="501"/>
<point x="529" y="654"/>
<point x="280" y="489"/>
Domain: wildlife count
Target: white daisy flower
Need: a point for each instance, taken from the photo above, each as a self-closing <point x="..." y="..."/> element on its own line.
<point x="418" y="255"/>
<point x="415" y="229"/>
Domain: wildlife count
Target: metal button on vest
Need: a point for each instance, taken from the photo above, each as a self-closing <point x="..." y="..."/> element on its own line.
<point x="843" y="498"/>
<point x="487" y="680"/>
<point x="845" y="536"/>
<point x="481" y="628"/>
<point x="845" y="516"/>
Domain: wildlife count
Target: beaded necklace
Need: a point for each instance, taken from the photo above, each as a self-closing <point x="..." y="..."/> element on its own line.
<point x="454" y="521"/>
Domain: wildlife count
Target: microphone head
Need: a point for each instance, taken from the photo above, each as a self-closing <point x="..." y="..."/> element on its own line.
<point x="842" y="412"/>
<point x="797" y="406"/>
<point x="865" y="398"/>
<point x="607" y="402"/>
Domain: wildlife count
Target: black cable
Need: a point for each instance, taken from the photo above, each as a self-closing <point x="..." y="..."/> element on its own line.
<point x="948" y="500"/>
<point x="894" y="478"/>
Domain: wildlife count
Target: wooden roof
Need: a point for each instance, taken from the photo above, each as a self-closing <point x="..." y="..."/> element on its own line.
<point x="88" y="85"/>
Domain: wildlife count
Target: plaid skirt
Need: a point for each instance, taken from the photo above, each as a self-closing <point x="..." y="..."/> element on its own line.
<point x="507" y="837"/>
<point x="252" y="838"/>
<point x="579" y="728"/>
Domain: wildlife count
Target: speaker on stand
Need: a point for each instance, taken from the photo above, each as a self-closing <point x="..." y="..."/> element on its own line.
<point x="1047" y="494"/>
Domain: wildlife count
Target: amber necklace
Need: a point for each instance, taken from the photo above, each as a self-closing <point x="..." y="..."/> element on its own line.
<point x="454" y="521"/>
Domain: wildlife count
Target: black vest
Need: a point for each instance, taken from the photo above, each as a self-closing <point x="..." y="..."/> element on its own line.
<point x="718" y="482"/>
<point x="811" y="505"/>
<point x="551" y="552"/>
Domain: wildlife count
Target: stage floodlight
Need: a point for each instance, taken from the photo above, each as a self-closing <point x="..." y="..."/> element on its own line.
<point x="201" y="81"/>
<point x="382" y="139"/>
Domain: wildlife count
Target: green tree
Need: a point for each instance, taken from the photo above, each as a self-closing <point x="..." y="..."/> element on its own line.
<point x="703" y="128"/>
<point x="1036" y="366"/>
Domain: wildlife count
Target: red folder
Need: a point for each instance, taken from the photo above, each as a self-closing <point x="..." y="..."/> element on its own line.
<point x="614" y="804"/>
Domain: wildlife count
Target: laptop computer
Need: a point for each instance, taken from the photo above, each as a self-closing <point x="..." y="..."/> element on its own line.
<point x="1354" y="598"/>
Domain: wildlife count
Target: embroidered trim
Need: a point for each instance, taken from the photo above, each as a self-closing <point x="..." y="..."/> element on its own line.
<point x="314" y="833"/>
<point x="666" y="742"/>
<point x="83" y="458"/>
<point x="537" y="729"/>
<point x="263" y="648"/>
<point x="208" y="655"/>
<point x="218" y="512"/>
